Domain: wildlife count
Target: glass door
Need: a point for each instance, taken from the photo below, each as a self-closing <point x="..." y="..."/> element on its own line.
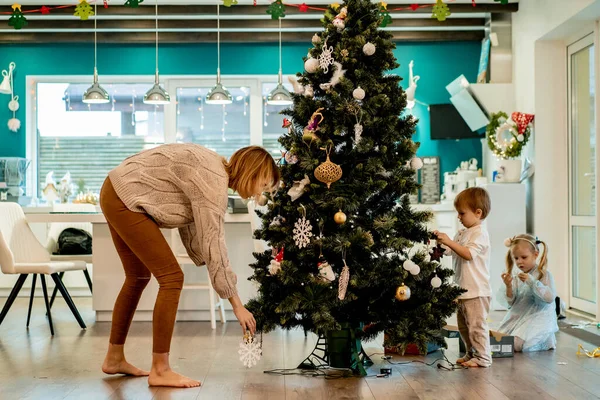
<point x="582" y="175"/>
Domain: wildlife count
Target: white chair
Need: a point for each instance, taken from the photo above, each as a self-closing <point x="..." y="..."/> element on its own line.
<point x="54" y="231"/>
<point x="183" y="259"/>
<point x="21" y="253"/>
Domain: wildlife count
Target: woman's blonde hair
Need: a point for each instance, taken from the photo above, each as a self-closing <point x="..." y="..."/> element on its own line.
<point x="250" y="165"/>
<point x="534" y="244"/>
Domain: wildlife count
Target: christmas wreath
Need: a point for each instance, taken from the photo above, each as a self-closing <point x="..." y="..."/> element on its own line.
<point x="507" y="137"/>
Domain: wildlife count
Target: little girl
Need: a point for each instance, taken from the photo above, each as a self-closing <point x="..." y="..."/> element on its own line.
<point x="529" y="295"/>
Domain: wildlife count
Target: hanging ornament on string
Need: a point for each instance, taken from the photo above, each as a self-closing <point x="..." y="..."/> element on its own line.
<point x="340" y="20"/>
<point x="250" y="350"/>
<point x="17" y="19"/>
<point x="311" y="65"/>
<point x="303" y="7"/>
<point x="316" y="39"/>
<point x="344" y="278"/>
<point x="358" y="128"/>
<point x="326" y="57"/>
<point x="297" y="189"/>
<point x="45" y="10"/>
<point x="369" y="49"/>
<point x="325" y="271"/>
<point x="229" y="3"/>
<point x="358" y="93"/>
<point x="440" y="11"/>
<point x="83" y="10"/>
<point x="302" y="230"/>
<point x="437" y="253"/>
<point x="290" y="157"/>
<point x="338" y="74"/>
<point x="313" y="126"/>
<point x="416" y="163"/>
<point x="276" y="9"/>
<point x="328" y="172"/>
<point x="275" y="265"/>
<point x="436" y="282"/>
<point x="402" y="292"/>
<point x="133" y="3"/>
<point x="277" y="221"/>
<point x="339" y="217"/>
<point x="105" y="3"/>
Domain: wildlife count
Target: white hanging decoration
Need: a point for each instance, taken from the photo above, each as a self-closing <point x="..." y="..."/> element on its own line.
<point x="436" y="282"/>
<point x="274" y="267"/>
<point x="14" y="124"/>
<point x="415" y="270"/>
<point x="358" y="93"/>
<point x="358" y="130"/>
<point x="369" y="49"/>
<point x="326" y="57"/>
<point x="325" y="272"/>
<point x="339" y="24"/>
<point x="336" y="77"/>
<point x="297" y="190"/>
<point x="250" y="350"/>
<point x="298" y="88"/>
<point x="416" y="163"/>
<point x="316" y="39"/>
<point x="344" y="279"/>
<point x="302" y="231"/>
<point x="520" y="138"/>
<point x="408" y="265"/>
<point x="311" y="65"/>
<point x="309" y="91"/>
<point x="7" y="87"/>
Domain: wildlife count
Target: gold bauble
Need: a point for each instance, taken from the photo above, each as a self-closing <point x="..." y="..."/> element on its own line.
<point x="309" y="135"/>
<point x="262" y="200"/>
<point x="328" y="172"/>
<point x="339" y="217"/>
<point x="403" y="293"/>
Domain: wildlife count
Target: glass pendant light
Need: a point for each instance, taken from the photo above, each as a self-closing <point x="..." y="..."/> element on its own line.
<point x="95" y="93"/>
<point x="157" y="95"/>
<point x="219" y="93"/>
<point x="280" y="96"/>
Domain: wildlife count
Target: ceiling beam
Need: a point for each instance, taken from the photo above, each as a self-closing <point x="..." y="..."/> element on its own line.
<point x="23" y="37"/>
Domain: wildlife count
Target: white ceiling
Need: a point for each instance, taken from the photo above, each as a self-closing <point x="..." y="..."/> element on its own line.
<point x="208" y="2"/>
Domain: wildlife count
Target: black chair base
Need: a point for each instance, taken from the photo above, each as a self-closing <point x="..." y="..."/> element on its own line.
<point x="59" y="286"/>
<point x="87" y="278"/>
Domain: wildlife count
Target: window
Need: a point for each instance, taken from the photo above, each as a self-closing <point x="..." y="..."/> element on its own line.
<point x="88" y="140"/>
<point x="221" y="128"/>
<point x="272" y="120"/>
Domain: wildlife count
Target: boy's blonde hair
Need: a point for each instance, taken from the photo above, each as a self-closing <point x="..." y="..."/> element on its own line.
<point x="474" y="198"/>
<point x="534" y="245"/>
<point x="248" y="166"/>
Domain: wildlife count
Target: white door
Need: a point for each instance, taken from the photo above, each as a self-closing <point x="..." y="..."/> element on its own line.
<point x="582" y="175"/>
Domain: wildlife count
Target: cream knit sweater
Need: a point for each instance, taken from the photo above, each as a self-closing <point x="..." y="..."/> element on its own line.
<point x="183" y="186"/>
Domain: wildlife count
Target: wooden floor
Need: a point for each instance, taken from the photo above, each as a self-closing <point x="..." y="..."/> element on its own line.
<point x="34" y="365"/>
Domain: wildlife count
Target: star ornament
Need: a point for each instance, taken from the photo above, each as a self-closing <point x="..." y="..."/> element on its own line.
<point x="303" y="7"/>
<point x="45" y="10"/>
<point x="437" y="253"/>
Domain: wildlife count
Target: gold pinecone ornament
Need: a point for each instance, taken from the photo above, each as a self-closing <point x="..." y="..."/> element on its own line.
<point x="328" y="172"/>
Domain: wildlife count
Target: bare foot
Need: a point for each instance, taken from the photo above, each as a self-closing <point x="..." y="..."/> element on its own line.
<point x="122" y="367"/>
<point x="171" y="379"/>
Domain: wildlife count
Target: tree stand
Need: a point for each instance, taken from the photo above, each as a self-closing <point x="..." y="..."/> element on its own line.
<point x="338" y="349"/>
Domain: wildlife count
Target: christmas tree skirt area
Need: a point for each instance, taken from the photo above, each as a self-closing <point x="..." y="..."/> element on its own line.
<point x="339" y="349"/>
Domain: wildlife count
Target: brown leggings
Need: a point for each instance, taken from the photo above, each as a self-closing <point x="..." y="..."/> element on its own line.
<point x="144" y="252"/>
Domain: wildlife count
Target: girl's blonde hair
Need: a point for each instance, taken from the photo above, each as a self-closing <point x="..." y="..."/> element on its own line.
<point x="533" y="243"/>
<point x="248" y="166"/>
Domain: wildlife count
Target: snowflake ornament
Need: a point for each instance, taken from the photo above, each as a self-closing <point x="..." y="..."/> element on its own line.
<point x="250" y="351"/>
<point x="326" y="57"/>
<point x="302" y="232"/>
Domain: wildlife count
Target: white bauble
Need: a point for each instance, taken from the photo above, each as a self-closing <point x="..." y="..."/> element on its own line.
<point x="358" y="93"/>
<point x="520" y="138"/>
<point x="415" y="270"/>
<point x="369" y="49"/>
<point x="311" y="65"/>
<point x="408" y="265"/>
<point x="416" y="163"/>
<point x="316" y="39"/>
<point x="436" y="282"/>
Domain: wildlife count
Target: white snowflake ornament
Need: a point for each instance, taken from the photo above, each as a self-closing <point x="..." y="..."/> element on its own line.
<point x="302" y="231"/>
<point x="326" y="57"/>
<point x="250" y="351"/>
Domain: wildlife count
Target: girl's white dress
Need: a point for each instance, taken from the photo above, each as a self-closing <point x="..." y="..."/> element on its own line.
<point x="531" y="315"/>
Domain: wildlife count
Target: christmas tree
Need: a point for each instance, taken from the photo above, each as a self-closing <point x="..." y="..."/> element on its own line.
<point x="348" y="248"/>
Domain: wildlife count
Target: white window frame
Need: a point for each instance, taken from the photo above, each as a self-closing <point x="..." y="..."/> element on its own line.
<point x="170" y="82"/>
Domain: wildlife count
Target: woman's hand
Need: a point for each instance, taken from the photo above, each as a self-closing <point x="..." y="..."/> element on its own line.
<point x="246" y="319"/>
<point x="507" y="278"/>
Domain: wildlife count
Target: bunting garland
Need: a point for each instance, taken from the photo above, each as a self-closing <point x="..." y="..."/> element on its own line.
<point x="276" y="9"/>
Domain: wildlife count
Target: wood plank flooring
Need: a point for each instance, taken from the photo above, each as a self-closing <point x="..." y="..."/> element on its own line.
<point x="34" y="365"/>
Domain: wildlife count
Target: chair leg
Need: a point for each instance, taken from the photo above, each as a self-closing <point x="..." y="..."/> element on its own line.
<point x="45" y="289"/>
<point x="61" y="274"/>
<point x="222" y="311"/>
<point x="88" y="279"/>
<point x="31" y="298"/>
<point x="68" y="300"/>
<point x="12" y="296"/>
<point x="211" y="301"/>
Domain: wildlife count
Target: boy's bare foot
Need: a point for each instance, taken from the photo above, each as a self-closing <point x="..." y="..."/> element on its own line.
<point x="112" y="367"/>
<point x="471" y="364"/>
<point x="462" y="360"/>
<point x="171" y="378"/>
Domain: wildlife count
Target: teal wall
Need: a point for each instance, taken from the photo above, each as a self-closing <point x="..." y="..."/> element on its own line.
<point x="436" y="63"/>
